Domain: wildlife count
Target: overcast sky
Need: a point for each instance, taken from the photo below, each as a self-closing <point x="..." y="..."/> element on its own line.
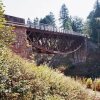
<point x="40" y="8"/>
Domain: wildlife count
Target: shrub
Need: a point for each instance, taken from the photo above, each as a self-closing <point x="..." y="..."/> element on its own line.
<point x="89" y="83"/>
<point x="96" y="85"/>
<point x="22" y="80"/>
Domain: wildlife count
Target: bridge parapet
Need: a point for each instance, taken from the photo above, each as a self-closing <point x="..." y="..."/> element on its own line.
<point x="15" y="21"/>
<point x="51" y="28"/>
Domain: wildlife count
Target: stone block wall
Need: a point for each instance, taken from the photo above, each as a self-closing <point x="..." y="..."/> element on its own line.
<point x="21" y="45"/>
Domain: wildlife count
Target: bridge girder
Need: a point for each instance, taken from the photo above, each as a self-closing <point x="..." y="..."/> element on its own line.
<point x="54" y="42"/>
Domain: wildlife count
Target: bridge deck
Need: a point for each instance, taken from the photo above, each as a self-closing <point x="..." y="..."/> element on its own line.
<point x="48" y="39"/>
<point x="49" y="29"/>
<point x="41" y="32"/>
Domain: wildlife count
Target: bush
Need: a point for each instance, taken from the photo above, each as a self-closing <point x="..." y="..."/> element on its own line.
<point x="22" y="80"/>
<point x="95" y="85"/>
<point x="89" y="83"/>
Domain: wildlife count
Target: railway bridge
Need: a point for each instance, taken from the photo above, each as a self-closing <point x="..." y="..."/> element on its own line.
<point x="46" y="39"/>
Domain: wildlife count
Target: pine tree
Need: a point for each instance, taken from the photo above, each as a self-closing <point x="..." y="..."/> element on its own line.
<point x="97" y="9"/>
<point x="94" y="22"/>
<point x="6" y="32"/>
<point x="48" y="19"/>
<point x="77" y="24"/>
<point x="86" y="29"/>
<point x="52" y="17"/>
<point x="64" y="18"/>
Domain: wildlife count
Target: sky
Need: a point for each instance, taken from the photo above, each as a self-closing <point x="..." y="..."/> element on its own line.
<point x="39" y="8"/>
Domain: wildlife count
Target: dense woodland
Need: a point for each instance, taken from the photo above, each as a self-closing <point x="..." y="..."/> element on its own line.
<point x="21" y="79"/>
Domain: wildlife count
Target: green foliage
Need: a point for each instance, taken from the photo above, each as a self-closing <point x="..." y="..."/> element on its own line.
<point x="89" y="83"/>
<point x="77" y="24"/>
<point x="97" y="9"/>
<point x="95" y="12"/>
<point x="94" y="23"/>
<point x="48" y="19"/>
<point x="6" y="33"/>
<point x="23" y="80"/>
<point x="96" y="85"/>
<point x="64" y="18"/>
<point x="86" y="29"/>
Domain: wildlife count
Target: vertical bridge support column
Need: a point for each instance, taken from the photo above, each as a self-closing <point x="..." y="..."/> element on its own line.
<point x="21" y="45"/>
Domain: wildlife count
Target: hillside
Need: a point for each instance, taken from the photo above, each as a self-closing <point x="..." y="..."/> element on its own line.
<point x="22" y="80"/>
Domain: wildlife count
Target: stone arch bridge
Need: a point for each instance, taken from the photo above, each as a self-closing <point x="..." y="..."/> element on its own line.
<point x="46" y="39"/>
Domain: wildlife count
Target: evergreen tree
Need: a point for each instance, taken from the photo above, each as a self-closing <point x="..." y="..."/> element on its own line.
<point x="97" y="9"/>
<point x="64" y="18"/>
<point x="77" y="24"/>
<point x="6" y="32"/>
<point x="52" y="19"/>
<point x="94" y="22"/>
<point x="48" y="19"/>
<point x="86" y="29"/>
